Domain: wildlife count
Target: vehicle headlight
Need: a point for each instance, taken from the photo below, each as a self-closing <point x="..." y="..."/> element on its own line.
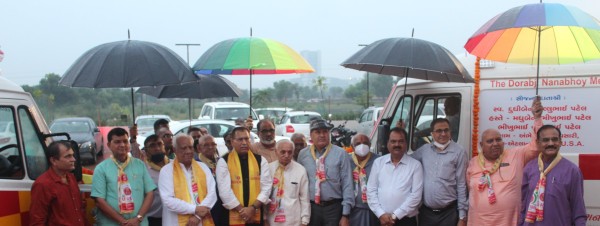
<point x="85" y="145"/>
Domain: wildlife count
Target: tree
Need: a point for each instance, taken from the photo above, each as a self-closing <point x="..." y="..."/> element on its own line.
<point x="262" y="97"/>
<point x="319" y="82"/>
<point x="336" y="92"/>
<point x="283" y="89"/>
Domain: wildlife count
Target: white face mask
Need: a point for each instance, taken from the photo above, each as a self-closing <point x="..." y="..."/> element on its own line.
<point x="441" y="146"/>
<point x="361" y="150"/>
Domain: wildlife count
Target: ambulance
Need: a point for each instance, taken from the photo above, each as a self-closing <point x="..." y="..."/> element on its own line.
<point x="502" y="100"/>
<point x="24" y="135"/>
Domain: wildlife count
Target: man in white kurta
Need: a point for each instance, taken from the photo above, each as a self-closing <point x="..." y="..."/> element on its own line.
<point x="194" y="210"/>
<point x="292" y="206"/>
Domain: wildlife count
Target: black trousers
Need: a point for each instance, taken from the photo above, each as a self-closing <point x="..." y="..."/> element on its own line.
<point x="154" y="221"/>
<point x="444" y="217"/>
<point x="325" y="215"/>
<point x="406" y="221"/>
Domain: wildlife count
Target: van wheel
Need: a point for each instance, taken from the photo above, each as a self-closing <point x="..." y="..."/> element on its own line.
<point x="94" y="154"/>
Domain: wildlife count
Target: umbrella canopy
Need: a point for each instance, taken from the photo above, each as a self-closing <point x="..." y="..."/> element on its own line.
<point x="565" y="34"/>
<point x="207" y="87"/>
<point x="242" y="56"/>
<point x="128" y="63"/>
<point x="250" y="55"/>
<point x="409" y="57"/>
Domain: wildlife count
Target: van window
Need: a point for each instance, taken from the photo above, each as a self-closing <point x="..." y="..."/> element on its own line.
<point x="206" y="111"/>
<point x="430" y="108"/>
<point x="402" y="111"/>
<point x="11" y="164"/>
<point x="34" y="149"/>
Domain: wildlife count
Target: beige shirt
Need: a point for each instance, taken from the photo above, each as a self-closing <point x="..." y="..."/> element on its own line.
<point x="268" y="153"/>
<point x="295" y="202"/>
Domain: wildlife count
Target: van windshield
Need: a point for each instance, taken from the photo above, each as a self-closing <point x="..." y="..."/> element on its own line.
<point x="232" y="113"/>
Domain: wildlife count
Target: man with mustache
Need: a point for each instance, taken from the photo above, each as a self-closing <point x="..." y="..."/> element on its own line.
<point x="299" y="143"/>
<point x="266" y="146"/>
<point x="494" y="177"/>
<point x="553" y="182"/>
<point x="395" y="186"/>
<point x="55" y="196"/>
<point x="156" y="159"/>
<point x="362" y="164"/>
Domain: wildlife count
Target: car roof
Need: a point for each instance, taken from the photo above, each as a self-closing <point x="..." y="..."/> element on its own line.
<point x="277" y="109"/>
<point x="73" y="119"/>
<point x="177" y="125"/>
<point x="152" y="116"/>
<point x="294" y="113"/>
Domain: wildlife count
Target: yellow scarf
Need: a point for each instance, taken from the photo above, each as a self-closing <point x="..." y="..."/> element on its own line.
<point x="237" y="185"/>
<point x="535" y="210"/>
<point x="125" y="196"/>
<point x="154" y="166"/>
<point x="210" y="163"/>
<point x="359" y="174"/>
<point x="486" y="177"/>
<point x="198" y="188"/>
<point x="320" y="174"/>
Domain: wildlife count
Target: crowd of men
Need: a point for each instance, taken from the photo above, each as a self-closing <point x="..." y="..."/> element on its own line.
<point x="182" y="180"/>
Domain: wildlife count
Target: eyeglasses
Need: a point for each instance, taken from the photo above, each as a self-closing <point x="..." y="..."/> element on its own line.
<point x="553" y="139"/>
<point x="167" y="136"/>
<point x="267" y="131"/>
<point x="440" y="131"/>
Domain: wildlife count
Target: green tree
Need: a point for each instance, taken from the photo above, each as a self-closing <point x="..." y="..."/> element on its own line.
<point x="262" y="97"/>
<point x="319" y="82"/>
<point x="283" y="89"/>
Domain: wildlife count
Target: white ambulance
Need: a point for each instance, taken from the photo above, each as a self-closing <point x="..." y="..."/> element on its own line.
<point x="24" y="136"/>
<point x="570" y="95"/>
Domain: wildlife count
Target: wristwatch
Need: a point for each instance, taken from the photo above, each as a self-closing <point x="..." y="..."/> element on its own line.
<point x="140" y="218"/>
<point x="394" y="217"/>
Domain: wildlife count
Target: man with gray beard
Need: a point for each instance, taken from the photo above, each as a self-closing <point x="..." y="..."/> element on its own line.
<point x="266" y="146"/>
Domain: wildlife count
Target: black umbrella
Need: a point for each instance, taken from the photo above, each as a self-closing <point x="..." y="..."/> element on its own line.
<point x="409" y="58"/>
<point x="128" y="63"/>
<point x="209" y="86"/>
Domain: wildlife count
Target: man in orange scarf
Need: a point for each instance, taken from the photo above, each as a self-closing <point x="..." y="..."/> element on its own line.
<point x="362" y="162"/>
<point x="243" y="181"/>
<point x="187" y="188"/>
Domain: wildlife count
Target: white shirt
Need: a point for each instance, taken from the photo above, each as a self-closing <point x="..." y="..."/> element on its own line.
<point x="395" y="189"/>
<point x="224" y="184"/>
<point x="156" y="206"/>
<point x="295" y="202"/>
<point x="173" y="206"/>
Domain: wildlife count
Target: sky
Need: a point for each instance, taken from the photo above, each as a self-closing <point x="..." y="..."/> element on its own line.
<point x="40" y="37"/>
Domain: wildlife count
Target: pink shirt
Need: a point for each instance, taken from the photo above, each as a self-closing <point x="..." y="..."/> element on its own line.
<point x="506" y="183"/>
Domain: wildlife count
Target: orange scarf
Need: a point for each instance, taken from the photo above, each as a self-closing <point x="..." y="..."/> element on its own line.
<point x="359" y="174"/>
<point x="535" y="210"/>
<point x="125" y="198"/>
<point x="277" y="196"/>
<point x="199" y="190"/>
<point x="237" y="185"/>
<point x="321" y="175"/>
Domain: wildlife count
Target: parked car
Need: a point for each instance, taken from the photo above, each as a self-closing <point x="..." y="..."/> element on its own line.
<point x="296" y="122"/>
<point x="274" y="114"/>
<point x="84" y="131"/>
<point x="145" y="123"/>
<point x="229" y="111"/>
<point x="368" y="119"/>
<point x="216" y="128"/>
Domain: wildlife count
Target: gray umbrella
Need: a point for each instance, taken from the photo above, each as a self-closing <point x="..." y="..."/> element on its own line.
<point x="128" y="63"/>
<point x="411" y="58"/>
<point x="209" y="86"/>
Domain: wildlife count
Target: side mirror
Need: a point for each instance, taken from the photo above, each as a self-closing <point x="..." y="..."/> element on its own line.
<point x="383" y="134"/>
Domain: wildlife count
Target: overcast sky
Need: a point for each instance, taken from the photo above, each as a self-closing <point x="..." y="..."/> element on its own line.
<point x="40" y="37"/>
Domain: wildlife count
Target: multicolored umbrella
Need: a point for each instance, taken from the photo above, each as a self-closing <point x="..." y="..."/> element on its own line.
<point x="250" y="55"/>
<point x="565" y="34"/>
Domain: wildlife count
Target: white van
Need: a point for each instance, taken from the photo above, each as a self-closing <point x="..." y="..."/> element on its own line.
<point x="22" y="152"/>
<point x="568" y="94"/>
<point x="229" y="111"/>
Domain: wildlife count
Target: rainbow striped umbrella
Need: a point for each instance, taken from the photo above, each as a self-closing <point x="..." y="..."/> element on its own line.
<point x="250" y="55"/>
<point x="565" y="34"/>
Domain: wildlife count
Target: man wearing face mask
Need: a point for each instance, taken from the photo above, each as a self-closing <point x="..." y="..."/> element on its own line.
<point x="362" y="161"/>
<point x="156" y="159"/>
<point x="444" y="178"/>
<point x="266" y="146"/>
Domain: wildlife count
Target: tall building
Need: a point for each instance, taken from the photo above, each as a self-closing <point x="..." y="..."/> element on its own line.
<point x="314" y="59"/>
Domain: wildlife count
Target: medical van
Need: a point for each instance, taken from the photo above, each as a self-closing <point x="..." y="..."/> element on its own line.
<point x="502" y="100"/>
<point x="23" y="142"/>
